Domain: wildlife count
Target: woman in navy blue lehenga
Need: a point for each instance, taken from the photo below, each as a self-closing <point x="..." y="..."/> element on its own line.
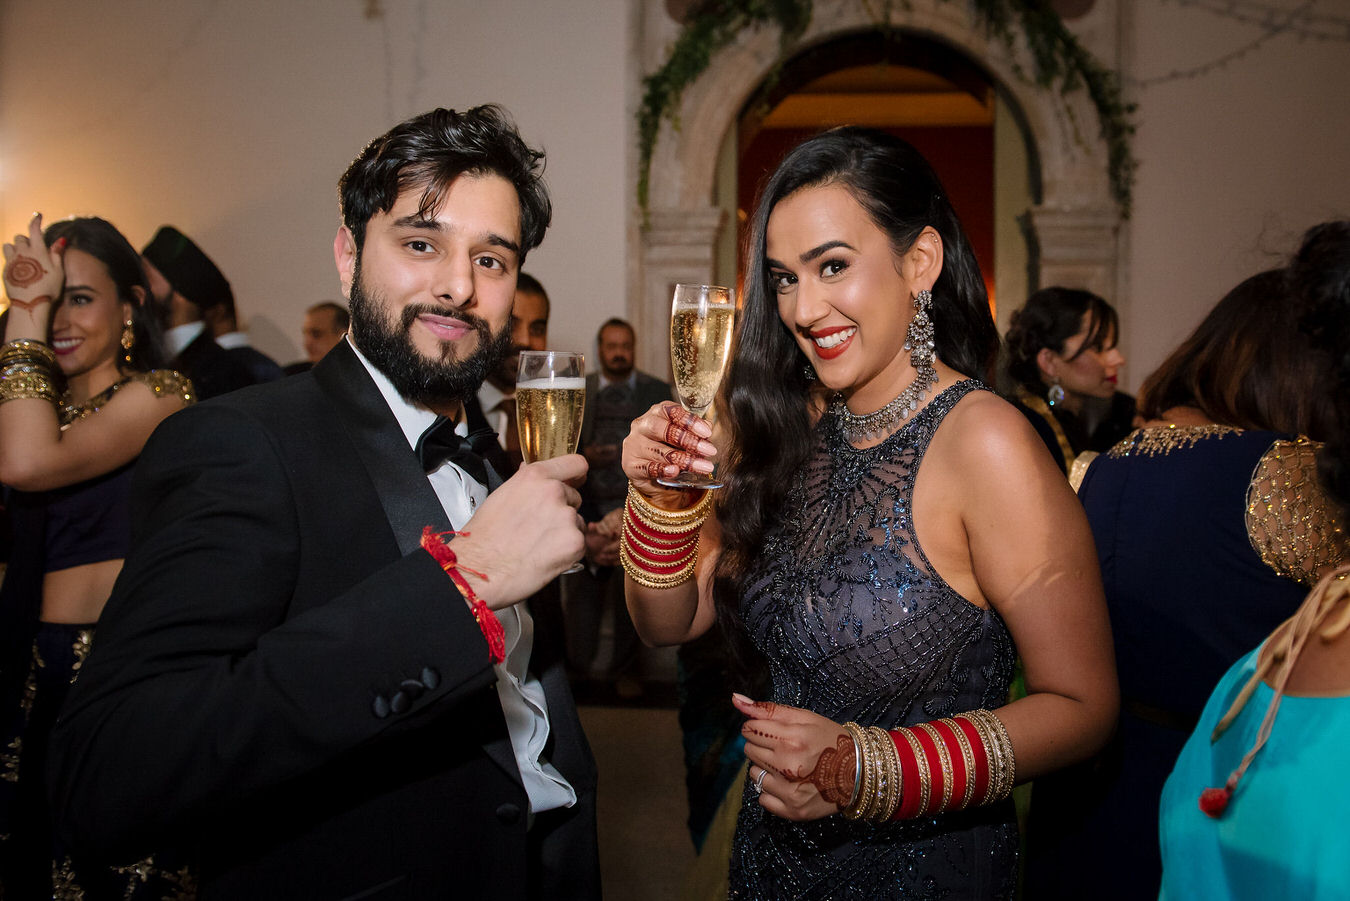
<point x="891" y="536"/>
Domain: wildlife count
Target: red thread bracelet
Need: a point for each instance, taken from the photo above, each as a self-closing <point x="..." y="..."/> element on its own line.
<point x="434" y="543"/>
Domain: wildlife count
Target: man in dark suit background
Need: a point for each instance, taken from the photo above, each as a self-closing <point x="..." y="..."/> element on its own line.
<point x="285" y="681"/>
<point x="183" y="283"/>
<point x="615" y="396"/>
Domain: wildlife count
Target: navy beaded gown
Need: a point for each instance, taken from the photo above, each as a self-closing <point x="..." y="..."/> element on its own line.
<point x="856" y="625"/>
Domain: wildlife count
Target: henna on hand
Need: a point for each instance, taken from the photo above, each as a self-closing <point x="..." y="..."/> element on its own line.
<point x="31" y="303"/>
<point x="834" y="772"/>
<point x="656" y="469"/>
<point x="24" y="272"/>
<point x="679" y="436"/>
<point x="680" y="458"/>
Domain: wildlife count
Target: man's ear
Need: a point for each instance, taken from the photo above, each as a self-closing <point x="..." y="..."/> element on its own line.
<point x="344" y="254"/>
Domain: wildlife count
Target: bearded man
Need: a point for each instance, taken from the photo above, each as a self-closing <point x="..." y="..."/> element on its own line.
<point x="305" y="679"/>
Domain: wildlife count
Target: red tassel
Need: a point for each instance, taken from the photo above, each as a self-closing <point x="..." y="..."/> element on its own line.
<point x="1213" y="801"/>
<point x="434" y="543"/>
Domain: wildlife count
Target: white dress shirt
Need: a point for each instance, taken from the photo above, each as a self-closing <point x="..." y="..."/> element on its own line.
<point x="521" y="694"/>
<point x="180" y="336"/>
<point x="489" y="398"/>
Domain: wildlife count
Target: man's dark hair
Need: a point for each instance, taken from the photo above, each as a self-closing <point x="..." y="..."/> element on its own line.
<point x="429" y="152"/>
<point x="530" y="285"/>
<point x="615" y="322"/>
<point x="341" y="318"/>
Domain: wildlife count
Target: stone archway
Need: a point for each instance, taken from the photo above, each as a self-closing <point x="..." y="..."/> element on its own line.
<point x="1074" y="222"/>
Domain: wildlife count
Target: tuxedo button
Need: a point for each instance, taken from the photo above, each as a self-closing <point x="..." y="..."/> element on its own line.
<point x="381" y="706"/>
<point x="400" y="702"/>
<point x="412" y="688"/>
<point x="430" y="678"/>
<point x="509" y="814"/>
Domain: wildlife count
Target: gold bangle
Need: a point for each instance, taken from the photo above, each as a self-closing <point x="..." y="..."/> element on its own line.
<point x="853" y="810"/>
<point x="652" y="515"/>
<point x="945" y="761"/>
<point x="968" y="757"/>
<point x="632" y="537"/>
<point x="27" y="348"/>
<point x="889" y="800"/>
<point x="925" y="778"/>
<point x="650" y="580"/>
<point x="26" y="385"/>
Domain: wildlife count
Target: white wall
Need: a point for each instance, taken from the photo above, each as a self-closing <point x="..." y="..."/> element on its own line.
<point x="233" y="121"/>
<point x="1234" y="164"/>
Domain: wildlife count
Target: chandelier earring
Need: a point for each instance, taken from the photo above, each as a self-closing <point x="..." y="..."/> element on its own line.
<point x="128" y="342"/>
<point x="1055" y="395"/>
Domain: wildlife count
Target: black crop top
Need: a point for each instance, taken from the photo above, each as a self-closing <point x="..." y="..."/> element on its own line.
<point x="89" y="522"/>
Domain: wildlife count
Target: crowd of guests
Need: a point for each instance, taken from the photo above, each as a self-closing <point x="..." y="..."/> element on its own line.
<point x="220" y="674"/>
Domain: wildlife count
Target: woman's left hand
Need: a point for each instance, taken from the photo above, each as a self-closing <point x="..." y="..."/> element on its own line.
<point x="803" y="765"/>
<point x="33" y="272"/>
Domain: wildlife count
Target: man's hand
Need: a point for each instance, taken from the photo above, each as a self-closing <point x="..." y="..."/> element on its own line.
<point x="602" y="539"/>
<point x="526" y="532"/>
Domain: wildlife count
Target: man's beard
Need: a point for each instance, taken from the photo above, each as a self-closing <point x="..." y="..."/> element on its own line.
<point x="419" y="380"/>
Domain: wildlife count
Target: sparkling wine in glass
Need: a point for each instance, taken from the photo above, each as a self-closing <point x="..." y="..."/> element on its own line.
<point x="550" y="398"/>
<point x="701" y="322"/>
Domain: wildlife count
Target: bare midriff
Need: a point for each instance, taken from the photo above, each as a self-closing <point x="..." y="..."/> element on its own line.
<point x="76" y="595"/>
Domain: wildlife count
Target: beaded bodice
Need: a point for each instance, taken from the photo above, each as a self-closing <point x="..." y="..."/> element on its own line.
<point x="852" y="617"/>
<point x="857" y="625"/>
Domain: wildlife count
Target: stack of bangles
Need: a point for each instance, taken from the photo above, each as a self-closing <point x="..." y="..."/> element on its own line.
<point x="935" y="767"/>
<point x="659" y="548"/>
<point x="27" y="370"/>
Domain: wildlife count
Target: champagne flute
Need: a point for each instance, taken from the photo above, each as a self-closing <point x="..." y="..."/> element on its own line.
<point x="550" y="398"/>
<point x="701" y="321"/>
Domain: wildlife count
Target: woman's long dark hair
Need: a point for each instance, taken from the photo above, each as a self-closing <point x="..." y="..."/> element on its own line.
<point x="98" y="238"/>
<point x="765" y="396"/>
<point x="1050" y="317"/>
<point x="1247" y="364"/>
<point x="1319" y="275"/>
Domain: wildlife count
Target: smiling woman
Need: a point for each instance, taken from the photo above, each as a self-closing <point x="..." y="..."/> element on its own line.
<point x="79" y="396"/>
<point x="886" y="589"/>
<point x="1061" y="353"/>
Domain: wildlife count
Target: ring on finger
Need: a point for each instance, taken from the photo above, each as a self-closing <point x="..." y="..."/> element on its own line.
<point x="759" y="782"/>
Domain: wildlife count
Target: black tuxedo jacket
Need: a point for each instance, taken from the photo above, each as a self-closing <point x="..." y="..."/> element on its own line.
<point x="211" y="367"/>
<point x="284" y="681"/>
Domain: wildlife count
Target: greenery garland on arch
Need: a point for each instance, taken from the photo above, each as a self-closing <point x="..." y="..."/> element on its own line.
<point x="1058" y="58"/>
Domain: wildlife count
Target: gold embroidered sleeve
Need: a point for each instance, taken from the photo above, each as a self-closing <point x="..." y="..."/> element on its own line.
<point x="1078" y="469"/>
<point x="166" y="382"/>
<point x="1289" y="521"/>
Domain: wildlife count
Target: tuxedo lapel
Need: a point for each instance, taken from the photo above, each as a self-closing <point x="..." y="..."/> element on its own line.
<point x="408" y="499"/>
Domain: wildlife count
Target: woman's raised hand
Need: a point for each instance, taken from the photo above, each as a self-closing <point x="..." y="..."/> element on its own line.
<point x="33" y="272"/>
<point x="803" y="765"/>
<point x="665" y="441"/>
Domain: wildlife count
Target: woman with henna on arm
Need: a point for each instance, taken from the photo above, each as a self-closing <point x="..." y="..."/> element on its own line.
<point x="79" y="396"/>
<point x="888" y="545"/>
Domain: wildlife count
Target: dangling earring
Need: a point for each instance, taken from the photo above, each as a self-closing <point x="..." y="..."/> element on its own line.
<point x="128" y="342"/>
<point x="1055" y="395"/>
<point x="919" y="338"/>
<point x="808" y="372"/>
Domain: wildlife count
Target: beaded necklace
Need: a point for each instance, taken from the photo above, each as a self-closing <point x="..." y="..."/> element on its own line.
<point x="858" y="427"/>
<point x="73" y="412"/>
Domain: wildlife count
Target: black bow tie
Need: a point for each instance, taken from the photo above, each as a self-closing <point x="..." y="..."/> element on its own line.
<point x="440" y="444"/>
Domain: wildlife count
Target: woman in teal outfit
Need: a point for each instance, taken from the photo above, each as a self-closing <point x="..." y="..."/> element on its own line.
<point x="1256" y="805"/>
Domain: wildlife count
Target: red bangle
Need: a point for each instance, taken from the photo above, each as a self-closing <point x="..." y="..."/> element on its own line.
<point x="434" y="543"/>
